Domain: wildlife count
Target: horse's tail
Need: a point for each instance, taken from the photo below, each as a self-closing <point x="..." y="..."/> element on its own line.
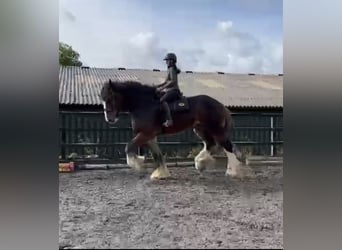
<point x="228" y="122"/>
<point x="228" y="127"/>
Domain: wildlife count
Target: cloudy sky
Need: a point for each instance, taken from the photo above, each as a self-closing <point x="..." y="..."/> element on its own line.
<point x="236" y="36"/>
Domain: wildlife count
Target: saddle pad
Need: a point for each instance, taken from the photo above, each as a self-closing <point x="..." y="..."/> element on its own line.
<point x="179" y="105"/>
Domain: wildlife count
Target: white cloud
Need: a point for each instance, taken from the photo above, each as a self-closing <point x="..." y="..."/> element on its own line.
<point x="225" y="26"/>
<point x="240" y="52"/>
<point x="116" y="40"/>
<point x="143" y="50"/>
<point x="144" y="40"/>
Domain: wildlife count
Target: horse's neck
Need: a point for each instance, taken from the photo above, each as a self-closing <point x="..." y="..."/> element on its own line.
<point x="136" y="104"/>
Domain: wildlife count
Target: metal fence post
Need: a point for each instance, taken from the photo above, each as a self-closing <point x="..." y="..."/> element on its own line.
<point x="271" y="136"/>
<point x="62" y="117"/>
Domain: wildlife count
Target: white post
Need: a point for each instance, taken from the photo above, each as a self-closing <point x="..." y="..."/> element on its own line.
<point x="272" y="139"/>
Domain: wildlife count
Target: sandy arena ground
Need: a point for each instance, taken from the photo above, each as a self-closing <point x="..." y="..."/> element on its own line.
<point x="120" y="209"/>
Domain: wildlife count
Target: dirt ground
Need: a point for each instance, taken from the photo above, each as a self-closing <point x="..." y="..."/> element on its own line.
<point x="120" y="209"/>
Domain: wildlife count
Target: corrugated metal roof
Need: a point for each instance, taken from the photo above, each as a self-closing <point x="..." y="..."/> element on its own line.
<point x="79" y="85"/>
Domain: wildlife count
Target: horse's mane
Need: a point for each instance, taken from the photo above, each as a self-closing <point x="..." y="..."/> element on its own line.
<point x="135" y="91"/>
<point x="135" y="87"/>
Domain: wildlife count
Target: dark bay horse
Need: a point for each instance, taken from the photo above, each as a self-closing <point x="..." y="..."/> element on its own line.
<point x="210" y="120"/>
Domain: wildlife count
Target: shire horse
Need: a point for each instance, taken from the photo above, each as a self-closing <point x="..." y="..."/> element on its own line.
<point x="211" y="121"/>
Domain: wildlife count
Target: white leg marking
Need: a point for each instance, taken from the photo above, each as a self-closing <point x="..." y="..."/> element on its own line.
<point x="204" y="159"/>
<point x="233" y="165"/>
<point x="162" y="172"/>
<point x="135" y="162"/>
<point x="237" y="169"/>
<point x="104" y="111"/>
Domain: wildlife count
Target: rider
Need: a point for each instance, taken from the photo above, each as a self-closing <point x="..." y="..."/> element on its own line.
<point x="169" y="87"/>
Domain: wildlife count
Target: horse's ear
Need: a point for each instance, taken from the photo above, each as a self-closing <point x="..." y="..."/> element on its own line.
<point x="111" y="84"/>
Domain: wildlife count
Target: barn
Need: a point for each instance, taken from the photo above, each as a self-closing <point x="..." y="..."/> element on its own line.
<point x="256" y="102"/>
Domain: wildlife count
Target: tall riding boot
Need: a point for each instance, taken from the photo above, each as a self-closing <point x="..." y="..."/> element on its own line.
<point x="168" y="122"/>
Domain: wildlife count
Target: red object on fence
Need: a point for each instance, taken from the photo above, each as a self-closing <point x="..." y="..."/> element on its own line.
<point x="66" y="167"/>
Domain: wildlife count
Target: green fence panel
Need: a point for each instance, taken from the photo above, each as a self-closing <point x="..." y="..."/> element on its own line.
<point x="86" y="134"/>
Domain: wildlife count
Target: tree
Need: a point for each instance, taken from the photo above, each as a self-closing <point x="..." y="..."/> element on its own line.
<point x="68" y="56"/>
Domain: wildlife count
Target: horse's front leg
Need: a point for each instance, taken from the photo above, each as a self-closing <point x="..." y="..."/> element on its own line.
<point x="133" y="160"/>
<point x="160" y="171"/>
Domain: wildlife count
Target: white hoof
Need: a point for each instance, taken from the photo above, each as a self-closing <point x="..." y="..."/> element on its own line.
<point x="237" y="169"/>
<point x="140" y="160"/>
<point x="160" y="173"/>
<point x="200" y="165"/>
<point x="231" y="172"/>
<point x="136" y="162"/>
<point x="240" y="171"/>
<point x="204" y="160"/>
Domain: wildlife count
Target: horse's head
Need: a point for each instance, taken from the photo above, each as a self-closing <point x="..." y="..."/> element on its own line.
<point x="125" y="96"/>
<point x="112" y="101"/>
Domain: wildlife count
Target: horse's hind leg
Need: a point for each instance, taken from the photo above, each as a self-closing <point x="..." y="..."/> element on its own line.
<point x="161" y="171"/>
<point x="235" y="168"/>
<point x="233" y="163"/>
<point x="204" y="158"/>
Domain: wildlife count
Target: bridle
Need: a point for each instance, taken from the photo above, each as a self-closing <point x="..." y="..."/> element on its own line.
<point x="105" y="110"/>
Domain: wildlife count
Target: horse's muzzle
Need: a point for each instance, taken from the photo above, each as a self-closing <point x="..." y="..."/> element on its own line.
<point x="112" y="122"/>
<point x="109" y="120"/>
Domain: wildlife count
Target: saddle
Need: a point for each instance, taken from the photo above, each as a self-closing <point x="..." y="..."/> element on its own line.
<point x="178" y="105"/>
<point x="181" y="104"/>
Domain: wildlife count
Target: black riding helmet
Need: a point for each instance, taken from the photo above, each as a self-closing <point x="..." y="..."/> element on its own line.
<point x="171" y="56"/>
